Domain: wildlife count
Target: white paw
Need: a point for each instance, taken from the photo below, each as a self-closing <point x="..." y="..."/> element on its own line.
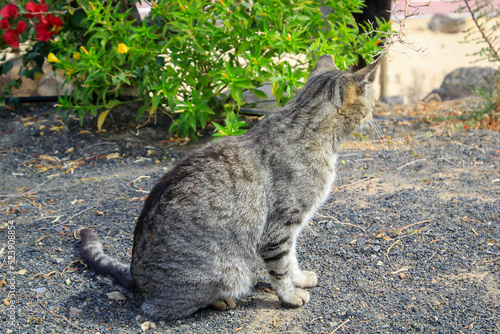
<point x="306" y="279"/>
<point x="297" y="298"/>
<point x="224" y="304"/>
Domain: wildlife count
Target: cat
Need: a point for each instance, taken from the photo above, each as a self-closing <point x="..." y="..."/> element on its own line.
<point x="239" y="198"/>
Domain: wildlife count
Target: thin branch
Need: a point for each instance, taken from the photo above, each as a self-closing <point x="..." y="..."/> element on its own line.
<point x="486" y="39"/>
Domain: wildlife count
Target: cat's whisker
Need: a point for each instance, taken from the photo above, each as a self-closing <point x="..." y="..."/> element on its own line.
<point x="379" y="130"/>
<point x="376" y="128"/>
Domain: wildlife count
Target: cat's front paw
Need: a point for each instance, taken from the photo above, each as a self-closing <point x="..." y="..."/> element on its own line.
<point x="297" y="298"/>
<point x="306" y="279"/>
<point x="224" y="304"/>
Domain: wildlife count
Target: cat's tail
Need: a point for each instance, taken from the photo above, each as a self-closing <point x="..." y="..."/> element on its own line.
<point x="104" y="265"/>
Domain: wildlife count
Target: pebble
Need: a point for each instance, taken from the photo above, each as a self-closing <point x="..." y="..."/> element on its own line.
<point x="40" y="290"/>
<point x="75" y="312"/>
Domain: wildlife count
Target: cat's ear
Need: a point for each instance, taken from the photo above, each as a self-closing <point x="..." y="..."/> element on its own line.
<point x="325" y="62"/>
<point x="365" y="75"/>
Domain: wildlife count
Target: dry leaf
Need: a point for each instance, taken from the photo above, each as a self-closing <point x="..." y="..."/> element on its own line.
<point x="48" y="157"/>
<point x="268" y="290"/>
<point x="113" y="156"/>
<point x="56" y="128"/>
<point x="6" y="301"/>
<point x="102" y="118"/>
<point x="21" y="272"/>
<point x="100" y="213"/>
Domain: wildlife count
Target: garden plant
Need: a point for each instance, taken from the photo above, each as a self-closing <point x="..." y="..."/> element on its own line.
<point x="193" y="60"/>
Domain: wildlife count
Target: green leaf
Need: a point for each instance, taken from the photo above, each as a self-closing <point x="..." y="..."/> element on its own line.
<point x="123" y="78"/>
<point x="260" y="94"/>
<point x="303" y="18"/>
<point x="8" y="66"/>
<point x="198" y="48"/>
<point x="237" y="94"/>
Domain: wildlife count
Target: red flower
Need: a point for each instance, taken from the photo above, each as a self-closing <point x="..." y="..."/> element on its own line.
<point x="11" y="38"/>
<point x="54" y="21"/>
<point x="21" y="27"/>
<point x="32" y="7"/>
<point x="4" y="24"/>
<point x="42" y="31"/>
<point x="9" y="11"/>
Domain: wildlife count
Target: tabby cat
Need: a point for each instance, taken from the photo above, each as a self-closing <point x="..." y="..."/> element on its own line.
<point x="208" y="219"/>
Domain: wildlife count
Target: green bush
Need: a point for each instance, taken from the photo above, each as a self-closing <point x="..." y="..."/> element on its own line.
<point x="192" y="60"/>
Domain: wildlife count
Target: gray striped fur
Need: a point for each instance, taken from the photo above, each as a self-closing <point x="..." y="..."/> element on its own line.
<point x="239" y="198"/>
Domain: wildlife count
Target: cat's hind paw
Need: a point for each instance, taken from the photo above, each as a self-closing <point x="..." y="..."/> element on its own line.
<point x="224" y="304"/>
<point x="296" y="299"/>
<point x="306" y="279"/>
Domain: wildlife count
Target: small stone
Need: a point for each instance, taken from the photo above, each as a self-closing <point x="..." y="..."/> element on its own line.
<point x="380" y="263"/>
<point x="58" y="260"/>
<point x="376" y="249"/>
<point x="58" y="229"/>
<point x="116" y="295"/>
<point x="145" y="326"/>
<point x="329" y="225"/>
<point x="40" y="290"/>
<point x="34" y="132"/>
<point x="402" y="275"/>
<point x="75" y="312"/>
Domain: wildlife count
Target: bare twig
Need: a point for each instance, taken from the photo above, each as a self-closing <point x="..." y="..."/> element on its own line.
<point x="411" y="163"/>
<point x="57" y="315"/>
<point x="342" y="324"/>
<point x="354" y="183"/>
<point x="390" y="247"/>
<point x="413" y="224"/>
<point x="480" y="28"/>
<point x="338" y="222"/>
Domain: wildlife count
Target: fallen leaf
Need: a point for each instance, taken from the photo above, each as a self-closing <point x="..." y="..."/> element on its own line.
<point x="6" y="301"/>
<point x="100" y="213"/>
<point x="113" y="156"/>
<point x="56" y="128"/>
<point x="268" y="290"/>
<point x="48" y="157"/>
<point x="21" y="272"/>
<point x="3" y="282"/>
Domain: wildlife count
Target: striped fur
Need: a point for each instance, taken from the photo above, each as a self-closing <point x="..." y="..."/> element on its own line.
<point x="239" y="198"/>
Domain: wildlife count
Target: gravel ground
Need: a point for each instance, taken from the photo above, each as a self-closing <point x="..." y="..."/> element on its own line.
<point x="408" y="241"/>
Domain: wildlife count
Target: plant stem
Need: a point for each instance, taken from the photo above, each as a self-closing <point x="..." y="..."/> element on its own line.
<point x="493" y="51"/>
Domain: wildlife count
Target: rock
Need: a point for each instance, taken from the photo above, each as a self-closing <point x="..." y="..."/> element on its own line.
<point x="397" y="99"/>
<point x="432" y="97"/>
<point x="147" y="326"/>
<point x="75" y="312"/>
<point x="34" y="132"/>
<point x="446" y="24"/>
<point x="376" y="249"/>
<point x="464" y="81"/>
<point x="58" y="260"/>
<point x="116" y="296"/>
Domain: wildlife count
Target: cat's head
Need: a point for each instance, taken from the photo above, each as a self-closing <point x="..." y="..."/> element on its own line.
<point x="345" y="90"/>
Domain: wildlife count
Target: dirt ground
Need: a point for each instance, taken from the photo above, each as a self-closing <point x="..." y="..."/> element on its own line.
<point x="408" y="241"/>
